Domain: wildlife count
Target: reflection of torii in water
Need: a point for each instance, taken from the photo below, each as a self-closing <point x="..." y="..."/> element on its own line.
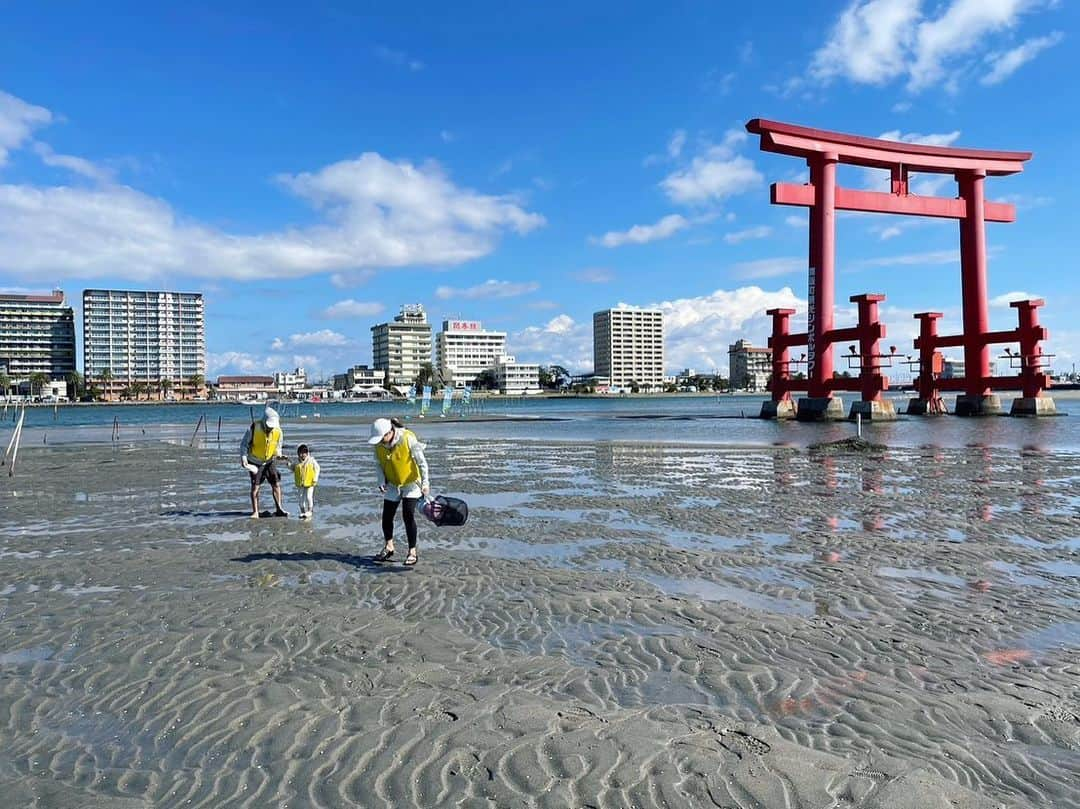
<point x="822" y="151"/>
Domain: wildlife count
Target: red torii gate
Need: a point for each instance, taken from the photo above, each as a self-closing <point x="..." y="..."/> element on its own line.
<point x="822" y="151"/>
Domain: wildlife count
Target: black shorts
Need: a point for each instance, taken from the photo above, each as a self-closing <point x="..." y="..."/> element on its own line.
<point x="267" y="473"/>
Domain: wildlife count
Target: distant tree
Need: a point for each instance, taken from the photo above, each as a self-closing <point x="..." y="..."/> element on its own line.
<point x="425" y="375"/>
<point x="547" y="380"/>
<point x="634" y="386"/>
<point x="486" y="380"/>
<point x="128" y="393"/>
<point x="669" y="387"/>
<point x="560" y="376"/>
<point x="719" y="383"/>
<point x="75" y="380"/>
<point x="5" y="383"/>
<point x="164" y="386"/>
<point x="105" y="377"/>
<point x="38" y="380"/>
<point x="195" y="381"/>
<point x="138" y="389"/>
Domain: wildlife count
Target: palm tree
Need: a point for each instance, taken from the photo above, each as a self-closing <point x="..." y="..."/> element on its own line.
<point x="196" y="382"/>
<point x="164" y="386"/>
<point x="5" y="383"/>
<point x="106" y="377"/>
<point x="37" y="379"/>
<point x="76" y="381"/>
<point x="138" y="389"/>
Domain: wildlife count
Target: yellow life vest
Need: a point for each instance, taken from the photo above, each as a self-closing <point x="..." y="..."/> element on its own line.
<point x="304" y="473"/>
<point x="264" y="446"/>
<point x="397" y="462"/>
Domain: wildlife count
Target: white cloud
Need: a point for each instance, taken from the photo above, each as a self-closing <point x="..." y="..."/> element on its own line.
<point x="240" y="362"/>
<point x="933" y="139"/>
<point x="398" y="58"/>
<point x="796" y="221"/>
<point x="676" y="143"/>
<point x="376" y="213"/>
<point x="770" y="267"/>
<point x="877" y="41"/>
<point x="350" y="308"/>
<point x="641" y="234"/>
<point x="890" y="232"/>
<point x="759" y="232"/>
<point x="699" y="330"/>
<point x="323" y="337"/>
<point x="869" y="43"/>
<point x="353" y="278"/>
<point x="278" y="344"/>
<point x="78" y="165"/>
<point x="18" y="120"/>
<point x="1003" y="65"/>
<point x="1003" y="301"/>
<point x="932" y="257"/>
<point x="710" y="177"/>
<point x="595" y="275"/>
<point x="488" y="289"/>
<point x="561" y="341"/>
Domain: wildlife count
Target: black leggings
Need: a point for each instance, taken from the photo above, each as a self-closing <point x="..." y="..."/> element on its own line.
<point x="389" y="509"/>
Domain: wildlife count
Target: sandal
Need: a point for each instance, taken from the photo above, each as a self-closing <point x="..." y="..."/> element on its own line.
<point x="411" y="558"/>
<point x="385" y="555"/>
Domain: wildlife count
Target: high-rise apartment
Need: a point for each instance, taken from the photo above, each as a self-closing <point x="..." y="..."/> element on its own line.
<point x="402" y="346"/>
<point x="464" y="350"/>
<point x="628" y="347"/>
<point x="37" y="336"/>
<point x="749" y="367"/>
<point x="139" y="337"/>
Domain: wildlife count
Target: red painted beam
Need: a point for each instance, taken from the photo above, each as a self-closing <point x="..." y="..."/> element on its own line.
<point x="858" y="150"/>
<point x="848" y="199"/>
<point x="992" y="382"/>
<point x="943" y="341"/>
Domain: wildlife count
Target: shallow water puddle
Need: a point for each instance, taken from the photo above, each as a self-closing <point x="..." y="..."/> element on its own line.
<point x="715" y="591"/>
<point x="1061" y="568"/>
<point x="919" y="574"/>
<point x="34" y="654"/>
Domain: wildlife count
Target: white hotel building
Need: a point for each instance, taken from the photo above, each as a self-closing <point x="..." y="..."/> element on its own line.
<point x="464" y="350"/>
<point x="628" y="347"/>
<point x="144" y="337"/>
<point x="401" y="347"/>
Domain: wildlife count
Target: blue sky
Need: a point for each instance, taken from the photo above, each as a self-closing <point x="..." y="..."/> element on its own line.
<point x="310" y="170"/>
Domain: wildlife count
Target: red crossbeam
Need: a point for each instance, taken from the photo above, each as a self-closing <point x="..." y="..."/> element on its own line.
<point x="848" y="199"/>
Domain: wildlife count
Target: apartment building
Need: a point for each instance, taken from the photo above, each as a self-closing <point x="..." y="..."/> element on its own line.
<point x="144" y="337"/>
<point x="749" y="367"/>
<point x="288" y="382"/>
<point x="37" y="336"/>
<point x="464" y="350"/>
<point x="628" y="347"/>
<point x="401" y="347"/>
<point x="516" y="378"/>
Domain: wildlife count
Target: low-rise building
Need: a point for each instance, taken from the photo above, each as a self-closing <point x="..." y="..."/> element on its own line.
<point x="516" y="378"/>
<point x="235" y="388"/>
<point x="288" y="382"/>
<point x="359" y="375"/>
<point x="749" y="367"/>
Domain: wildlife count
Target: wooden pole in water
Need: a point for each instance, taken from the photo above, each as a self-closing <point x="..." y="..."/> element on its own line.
<point x="219" y="429"/>
<point x="18" y="437"/>
<point x="198" y="424"/>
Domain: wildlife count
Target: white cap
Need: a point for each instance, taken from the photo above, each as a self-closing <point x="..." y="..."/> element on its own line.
<point x="380" y="428"/>
<point x="270" y="416"/>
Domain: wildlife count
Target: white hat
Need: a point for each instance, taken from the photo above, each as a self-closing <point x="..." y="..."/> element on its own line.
<point x="270" y="416"/>
<point x="380" y="428"/>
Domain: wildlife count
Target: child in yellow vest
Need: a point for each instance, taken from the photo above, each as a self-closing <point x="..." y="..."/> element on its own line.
<point x="306" y="476"/>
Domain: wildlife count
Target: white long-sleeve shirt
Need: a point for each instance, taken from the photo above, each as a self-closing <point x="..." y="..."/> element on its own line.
<point x="413" y="489"/>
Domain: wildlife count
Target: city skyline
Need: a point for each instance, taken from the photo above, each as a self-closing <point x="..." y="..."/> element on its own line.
<point x="308" y="191"/>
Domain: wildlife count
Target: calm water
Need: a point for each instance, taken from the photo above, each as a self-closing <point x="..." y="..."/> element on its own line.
<point x="691" y="419"/>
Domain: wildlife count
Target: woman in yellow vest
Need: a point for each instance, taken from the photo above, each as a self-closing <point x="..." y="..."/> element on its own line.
<point x="402" y="476"/>
<point x="259" y="448"/>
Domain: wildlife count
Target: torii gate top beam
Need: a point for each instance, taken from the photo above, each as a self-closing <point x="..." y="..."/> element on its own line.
<point x="802" y="141"/>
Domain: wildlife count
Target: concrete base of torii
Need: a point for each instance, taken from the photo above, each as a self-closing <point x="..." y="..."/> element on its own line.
<point x="926" y="407"/>
<point x="879" y="410"/>
<point x="784" y="409"/>
<point x="1033" y="406"/>
<point x="824" y="408"/>
<point x="987" y="405"/>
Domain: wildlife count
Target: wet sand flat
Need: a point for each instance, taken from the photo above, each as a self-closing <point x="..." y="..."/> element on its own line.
<point x="617" y="625"/>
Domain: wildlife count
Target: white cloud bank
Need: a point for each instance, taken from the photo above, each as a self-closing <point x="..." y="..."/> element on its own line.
<point x="487" y="290"/>
<point x="376" y="213"/>
<point x="878" y="41"/>
<point x="643" y="234"/>
<point x="349" y="308"/>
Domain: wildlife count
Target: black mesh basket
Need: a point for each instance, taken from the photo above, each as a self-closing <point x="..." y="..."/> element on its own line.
<point x="443" y="510"/>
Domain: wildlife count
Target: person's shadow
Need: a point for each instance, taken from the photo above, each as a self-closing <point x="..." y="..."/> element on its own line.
<point x="360" y="562"/>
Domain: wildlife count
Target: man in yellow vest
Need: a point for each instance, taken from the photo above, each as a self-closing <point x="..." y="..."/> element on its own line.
<point x="402" y="475"/>
<point x="260" y="447"/>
